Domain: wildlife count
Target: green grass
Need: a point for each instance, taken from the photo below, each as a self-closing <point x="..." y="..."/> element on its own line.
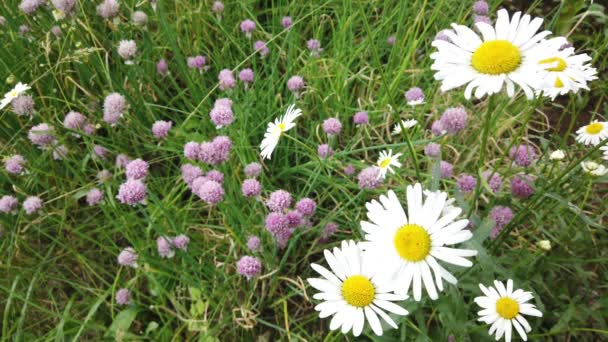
<point x="58" y="270"/>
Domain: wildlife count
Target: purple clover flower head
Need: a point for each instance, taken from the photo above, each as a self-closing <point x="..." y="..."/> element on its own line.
<point x="221" y="116"/>
<point x="41" y="135"/>
<point x="254" y="243"/>
<point x="122" y="160"/>
<point x="361" y="118"/>
<point x="332" y="126"/>
<point x="454" y="119"/>
<point x="23" y="105"/>
<point x="295" y="84"/>
<point x="247" y="27"/>
<point x="522" y="186"/>
<point x="261" y="47"/>
<point x="216" y="176"/>
<point x="15" y="164"/>
<point x="495" y="182"/>
<point x="224" y="101"/>
<point x="100" y="152"/>
<point x="481" y="7"/>
<point x="249" y="266"/>
<point x="128" y="257"/>
<point x="437" y="128"/>
<point x="74" y="121"/>
<point x="60" y="152"/>
<point x="123" y="296"/>
<point x="441" y="35"/>
<point x="162" y="68"/>
<point x="218" y="7"/>
<point x="253" y="170"/>
<point x="181" y="242"/>
<point x="132" y="192"/>
<point x="329" y="230"/>
<point x="139" y="18"/>
<point x="8" y="204"/>
<point x="197" y="183"/>
<point x="279" y="201"/>
<point x="295" y="219"/>
<point x="56" y="31"/>
<point x="190" y="173"/>
<point x="466" y="183"/>
<point x="283" y="238"/>
<point x="349" y="170"/>
<point x="325" y="151"/>
<point x="246" y="76"/>
<point x="251" y="188"/>
<point x="414" y="96"/>
<point x="127" y="49"/>
<point x="226" y="79"/>
<point x="137" y="169"/>
<point x="369" y="178"/>
<point x="501" y="216"/>
<point x="104" y="175"/>
<point x="114" y="107"/>
<point x="523" y="155"/>
<point x="276" y="223"/>
<point x="306" y="206"/>
<point x="391" y="40"/>
<point x="164" y="247"/>
<point x="211" y="192"/>
<point x="192" y="150"/>
<point x="160" y="129"/>
<point x="30" y="6"/>
<point x="32" y="204"/>
<point x="196" y="62"/>
<point x="88" y="129"/>
<point x="446" y="169"/>
<point x="315" y="47"/>
<point x="222" y="145"/>
<point x="482" y="19"/>
<point x="94" y="196"/>
<point x="432" y="150"/>
<point x="286" y="22"/>
<point x="108" y="9"/>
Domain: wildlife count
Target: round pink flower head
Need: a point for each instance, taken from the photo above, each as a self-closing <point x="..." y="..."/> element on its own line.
<point x="286" y="22"/>
<point x="181" y="242"/>
<point x="306" y="206"/>
<point x="246" y="75"/>
<point x="88" y="129"/>
<point x="414" y="96"/>
<point x="283" y="238"/>
<point x="196" y="62"/>
<point x="328" y="231"/>
<point x="41" y="135"/>
<point x="139" y="18"/>
<point x="32" y="204"/>
<point x="123" y="297"/>
<point x="325" y="151"/>
<point x="247" y="26"/>
<point x="437" y="128"/>
<point x="295" y="84"/>
<point x="369" y="178"/>
<point x="56" y="31"/>
<point x="132" y="192"/>
<point x="332" y="126"/>
<point x="60" y="152"/>
<point x="108" y="9"/>
<point x="163" y="246"/>
<point x="454" y="120"/>
<point x="30" y="6"/>
<point x="249" y="266"/>
<point x="251" y="188"/>
<point x="391" y="40"/>
<point x="100" y="152"/>
<point x="128" y="257"/>
<point x="481" y="7"/>
<point x="127" y="49"/>
<point x="261" y="47"/>
<point x="441" y="35"/>
<point x="215" y="176"/>
<point x="279" y="200"/>
<point x="218" y="7"/>
<point x="522" y="186"/>
<point x="361" y="118"/>
<point x="162" y="68"/>
<point x="226" y="79"/>
<point x="8" y="204"/>
<point x="495" y="182"/>
<point x="314" y="46"/>
<point x="466" y="183"/>
<point x="74" y="121"/>
<point x="446" y="169"/>
<point x="23" y="105"/>
<point x="104" y="175"/>
<point x="432" y="150"/>
<point x="122" y="160"/>
<point x="252" y="170"/>
<point x="294" y="218"/>
<point x="349" y="170"/>
<point x="523" y="155"/>
<point x="160" y="129"/>
<point x="224" y="101"/>
<point x="94" y="196"/>
<point x="190" y="173"/>
<point x="192" y="150"/>
<point x="276" y="223"/>
<point x="114" y="106"/>
<point x="14" y="164"/>
<point x="197" y="183"/>
<point x="211" y="192"/>
<point x="222" y="145"/>
<point x="137" y="169"/>
<point x="254" y="243"/>
<point x="221" y="116"/>
<point x="501" y="216"/>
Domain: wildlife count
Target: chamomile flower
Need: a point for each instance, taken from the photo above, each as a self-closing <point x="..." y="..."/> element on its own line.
<point x="386" y="162"/>
<point x="276" y="129"/>
<point x="594" y="168"/>
<point x="352" y="292"/>
<point x="406" y="247"/>
<point x="19" y="89"/>
<point x="593" y="133"/>
<point x="504" y="308"/>
<point x="507" y="54"/>
<point x="405" y="124"/>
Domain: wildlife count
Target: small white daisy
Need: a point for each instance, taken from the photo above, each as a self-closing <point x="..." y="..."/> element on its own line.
<point x="407" y="124"/>
<point x="407" y="247"/>
<point x="594" y="168"/>
<point x="19" y="89"/>
<point x="276" y="129"/>
<point x="557" y="155"/>
<point x="507" y="55"/>
<point x="593" y="133"/>
<point x="386" y="162"/>
<point x="352" y="293"/>
<point x="504" y="308"/>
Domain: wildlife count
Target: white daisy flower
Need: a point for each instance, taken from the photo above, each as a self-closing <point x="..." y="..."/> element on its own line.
<point x="605" y="149"/>
<point x="505" y="55"/>
<point x="405" y="124"/>
<point x="594" y="168"/>
<point x="593" y="133"/>
<point x="407" y="247"/>
<point x="557" y="155"/>
<point x="386" y="162"/>
<point x="19" y="89"/>
<point x="276" y="129"/>
<point x="352" y="293"/>
<point x="504" y="308"/>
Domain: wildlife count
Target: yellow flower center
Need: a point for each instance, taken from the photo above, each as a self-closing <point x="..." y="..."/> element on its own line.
<point x="412" y="242"/>
<point x="507" y="308"/>
<point x="558" y="83"/>
<point x="358" y="291"/>
<point x="594" y="128"/>
<point x="384" y="162"/>
<point x="561" y="64"/>
<point x="282" y="127"/>
<point x="496" y="57"/>
<point x="13" y="93"/>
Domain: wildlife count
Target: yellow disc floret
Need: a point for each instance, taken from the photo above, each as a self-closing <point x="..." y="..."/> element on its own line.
<point x="384" y="163"/>
<point x="358" y="291"/>
<point x="594" y="128"/>
<point x="496" y="57"/>
<point x="507" y="308"/>
<point x="282" y="126"/>
<point x="412" y="242"/>
<point x="560" y="66"/>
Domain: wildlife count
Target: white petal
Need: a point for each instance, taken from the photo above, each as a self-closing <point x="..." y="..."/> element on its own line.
<point x="373" y="320"/>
